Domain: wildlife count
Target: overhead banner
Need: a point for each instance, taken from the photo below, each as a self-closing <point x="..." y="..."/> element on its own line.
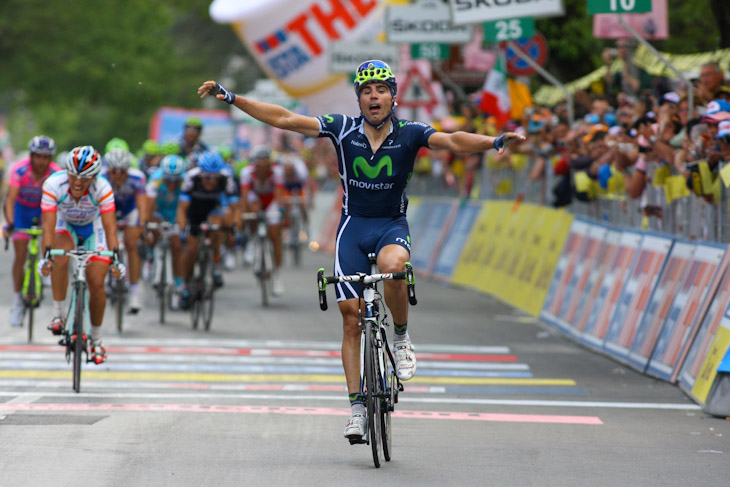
<point x="426" y="21"/>
<point x="291" y="40"/>
<point x="478" y="11"/>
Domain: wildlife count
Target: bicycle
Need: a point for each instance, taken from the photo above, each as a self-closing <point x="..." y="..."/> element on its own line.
<point x="263" y="264"/>
<point x="202" y="286"/>
<point x="162" y="268"/>
<point x="76" y="338"/>
<point x="296" y="232"/>
<point x="32" y="290"/>
<point x="119" y="287"/>
<point x="379" y="384"/>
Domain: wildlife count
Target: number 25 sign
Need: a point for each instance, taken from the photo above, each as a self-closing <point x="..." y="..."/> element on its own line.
<point x="509" y="29"/>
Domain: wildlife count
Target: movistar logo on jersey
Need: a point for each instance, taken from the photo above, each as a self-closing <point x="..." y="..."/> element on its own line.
<point x="361" y="165"/>
<point x="372" y="172"/>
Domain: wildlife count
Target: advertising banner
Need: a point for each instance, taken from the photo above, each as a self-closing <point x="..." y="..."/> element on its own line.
<point x="715" y="355"/>
<point x="718" y="306"/>
<point x="597" y="275"/>
<point x="610" y="292"/>
<point x="168" y="125"/>
<point x="636" y="294"/>
<point x="291" y="41"/>
<point x="428" y="226"/>
<point x="477" y="11"/>
<point x="480" y="237"/>
<point x="680" y="326"/>
<point x="660" y="305"/>
<point x="455" y="239"/>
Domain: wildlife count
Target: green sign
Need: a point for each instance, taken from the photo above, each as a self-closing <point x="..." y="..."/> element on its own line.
<point x="619" y="6"/>
<point x="430" y="50"/>
<point x="509" y="29"/>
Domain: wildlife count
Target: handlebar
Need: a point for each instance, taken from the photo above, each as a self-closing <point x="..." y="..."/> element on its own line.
<point x="361" y="278"/>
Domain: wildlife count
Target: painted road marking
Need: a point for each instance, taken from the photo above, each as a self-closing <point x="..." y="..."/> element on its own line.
<point x="402" y="400"/>
<point x="9" y="357"/>
<point x="62" y="384"/>
<point x="246" y="369"/>
<point x="223" y="351"/>
<point x="191" y="377"/>
<point x="302" y="411"/>
<point x="263" y="344"/>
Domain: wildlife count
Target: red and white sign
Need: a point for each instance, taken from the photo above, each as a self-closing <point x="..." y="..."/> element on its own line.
<point x="610" y="292"/>
<point x="598" y="272"/>
<point x="653" y="25"/>
<point x="536" y="47"/>
<point x="416" y="90"/>
<point x="682" y="320"/>
<point x="637" y="291"/>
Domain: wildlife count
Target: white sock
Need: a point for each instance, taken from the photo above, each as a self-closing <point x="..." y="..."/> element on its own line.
<point x="18" y="300"/>
<point x="133" y="288"/>
<point x="95" y="332"/>
<point x="58" y="308"/>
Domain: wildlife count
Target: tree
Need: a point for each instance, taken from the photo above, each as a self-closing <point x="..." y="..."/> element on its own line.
<point x="84" y="71"/>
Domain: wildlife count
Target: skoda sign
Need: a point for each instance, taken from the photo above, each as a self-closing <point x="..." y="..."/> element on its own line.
<point x="476" y="11"/>
<point x="427" y="21"/>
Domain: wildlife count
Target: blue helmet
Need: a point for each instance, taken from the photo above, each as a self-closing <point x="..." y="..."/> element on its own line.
<point x="42" y="145"/>
<point x="211" y="162"/>
<point x="173" y="167"/>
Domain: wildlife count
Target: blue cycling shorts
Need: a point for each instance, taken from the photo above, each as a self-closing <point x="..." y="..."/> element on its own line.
<point x="24" y="216"/>
<point x="359" y="236"/>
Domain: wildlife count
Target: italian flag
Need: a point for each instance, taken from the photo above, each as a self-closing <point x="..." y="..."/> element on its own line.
<point x="495" y="93"/>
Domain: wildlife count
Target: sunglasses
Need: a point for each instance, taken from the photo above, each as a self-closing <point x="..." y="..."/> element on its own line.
<point x="209" y="175"/>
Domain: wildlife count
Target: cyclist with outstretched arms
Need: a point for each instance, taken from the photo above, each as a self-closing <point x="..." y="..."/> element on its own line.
<point x="129" y="186"/>
<point x="163" y="194"/>
<point x="208" y="194"/>
<point x="78" y="204"/>
<point x="23" y="206"/>
<point x="262" y="189"/>
<point x="376" y="153"/>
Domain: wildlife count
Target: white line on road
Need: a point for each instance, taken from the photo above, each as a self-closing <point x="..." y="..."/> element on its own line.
<point x="403" y="398"/>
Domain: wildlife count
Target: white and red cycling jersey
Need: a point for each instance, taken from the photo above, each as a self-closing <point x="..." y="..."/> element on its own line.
<point x="262" y="189"/>
<point x="99" y="199"/>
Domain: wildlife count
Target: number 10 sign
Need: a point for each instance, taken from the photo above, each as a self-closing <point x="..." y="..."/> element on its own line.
<point x="509" y="29"/>
<point x="618" y="6"/>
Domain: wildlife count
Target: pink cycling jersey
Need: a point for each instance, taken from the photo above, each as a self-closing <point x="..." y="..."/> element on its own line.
<point x="31" y="190"/>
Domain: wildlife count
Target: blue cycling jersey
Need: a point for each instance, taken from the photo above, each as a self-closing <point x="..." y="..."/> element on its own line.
<point x="165" y="201"/>
<point x="125" y="196"/>
<point x="374" y="183"/>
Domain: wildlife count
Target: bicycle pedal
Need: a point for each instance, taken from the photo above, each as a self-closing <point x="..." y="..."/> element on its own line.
<point x="357" y="440"/>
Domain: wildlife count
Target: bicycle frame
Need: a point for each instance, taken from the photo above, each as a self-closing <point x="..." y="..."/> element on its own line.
<point x="378" y="383"/>
<point x="263" y="260"/>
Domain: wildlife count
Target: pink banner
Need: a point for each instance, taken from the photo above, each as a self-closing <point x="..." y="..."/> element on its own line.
<point x="652" y="26"/>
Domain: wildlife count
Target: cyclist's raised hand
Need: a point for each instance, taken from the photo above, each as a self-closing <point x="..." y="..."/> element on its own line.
<point x="214" y="88"/>
<point x="504" y="140"/>
<point x="45" y="266"/>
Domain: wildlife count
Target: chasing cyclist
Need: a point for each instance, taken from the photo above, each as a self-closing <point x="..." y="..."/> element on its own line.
<point x="128" y="184"/>
<point x="376" y="153"/>
<point x="23" y="208"/>
<point x="262" y="189"/>
<point x="208" y="194"/>
<point x="78" y="204"/>
<point x="163" y="193"/>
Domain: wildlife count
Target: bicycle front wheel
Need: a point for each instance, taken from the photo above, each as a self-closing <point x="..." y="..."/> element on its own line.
<point x="32" y="293"/>
<point x="78" y="337"/>
<point x="207" y="295"/>
<point x="373" y="397"/>
<point x="119" y="299"/>
<point x="162" y="286"/>
<point x="263" y="270"/>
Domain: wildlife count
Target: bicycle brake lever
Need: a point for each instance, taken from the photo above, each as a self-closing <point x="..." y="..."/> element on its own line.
<point x="321" y="286"/>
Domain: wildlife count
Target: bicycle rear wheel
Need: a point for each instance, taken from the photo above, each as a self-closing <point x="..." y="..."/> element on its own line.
<point x="78" y="337"/>
<point x="162" y="286"/>
<point x="263" y="272"/>
<point x="207" y="293"/>
<point x="385" y="411"/>
<point x="373" y="397"/>
<point x="32" y="295"/>
<point x="119" y="299"/>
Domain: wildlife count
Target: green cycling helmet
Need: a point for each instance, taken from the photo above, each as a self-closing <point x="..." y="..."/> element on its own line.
<point x="194" y="122"/>
<point x="170" y="148"/>
<point x="151" y="147"/>
<point x="116" y="143"/>
<point x="374" y="71"/>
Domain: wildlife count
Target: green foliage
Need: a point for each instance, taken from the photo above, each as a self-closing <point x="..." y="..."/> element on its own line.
<point x="85" y="71"/>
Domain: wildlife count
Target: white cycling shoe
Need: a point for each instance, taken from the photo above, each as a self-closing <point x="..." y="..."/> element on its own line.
<point x="16" y="316"/>
<point x="405" y="359"/>
<point x="135" y="303"/>
<point x="356" y="426"/>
